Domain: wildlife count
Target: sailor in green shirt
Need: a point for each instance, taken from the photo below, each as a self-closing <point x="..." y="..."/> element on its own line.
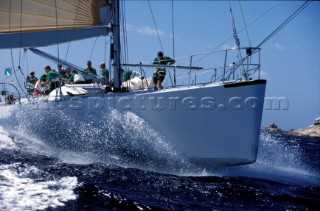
<point x="76" y="78"/>
<point x="104" y="73"/>
<point x="129" y="74"/>
<point x="43" y="77"/>
<point x="52" y="75"/>
<point x="52" y="78"/>
<point x="71" y="78"/>
<point x="31" y="78"/>
<point x="31" y="81"/>
<point x="126" y="75"/>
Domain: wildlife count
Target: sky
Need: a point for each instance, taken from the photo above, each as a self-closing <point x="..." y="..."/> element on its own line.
<point x="290" y="60"/>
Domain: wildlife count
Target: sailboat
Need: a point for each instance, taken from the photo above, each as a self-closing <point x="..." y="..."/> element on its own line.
<point x="215" y="123"/>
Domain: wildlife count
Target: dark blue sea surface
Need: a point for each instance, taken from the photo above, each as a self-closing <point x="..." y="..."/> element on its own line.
<point x="124" y="171"/>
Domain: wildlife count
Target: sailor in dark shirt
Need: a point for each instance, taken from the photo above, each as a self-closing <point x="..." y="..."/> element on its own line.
<point x="160" y="73"/>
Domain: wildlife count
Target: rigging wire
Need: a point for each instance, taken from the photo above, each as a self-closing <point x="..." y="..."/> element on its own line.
<point x="155" y="24"/>
<point x="173" y="44"/>
<point x="23" y="60"/>
<point x="254" y="21"/>
<point x="58" y="50"/>
<point x="105" y="49"/>
<point x="27" y="60"/>
<point x="94" y="43"/>
<point x="284" y="23"/>
<point x="74" y="24"/>
<point x="125" y="54"/>
<point x="235" y="34"/>
<point x="20" y="34"/>
<point x="58" y="53"/>
<point x="12" y="61"/>
<point x="10" y="31"/>
<point x="245" y="24"/>
<point x="93" y="46"/>
<point x="124" y="49"/>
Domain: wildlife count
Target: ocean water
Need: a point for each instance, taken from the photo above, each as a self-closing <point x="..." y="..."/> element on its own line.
<point x="121" y="163"/>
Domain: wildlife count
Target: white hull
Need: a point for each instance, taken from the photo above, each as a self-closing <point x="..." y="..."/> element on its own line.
<point x="215" y="124"/>
<point x="217" y="134"/>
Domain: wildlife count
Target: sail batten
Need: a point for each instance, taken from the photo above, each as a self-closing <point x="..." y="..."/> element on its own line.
<point x="36" y="23"/>
<point x="38" y="15"/>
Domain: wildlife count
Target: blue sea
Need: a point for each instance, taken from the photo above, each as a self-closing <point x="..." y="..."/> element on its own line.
<point x="120" y="163"/>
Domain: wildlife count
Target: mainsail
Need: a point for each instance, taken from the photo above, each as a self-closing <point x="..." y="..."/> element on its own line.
<point x="34" y="23"/>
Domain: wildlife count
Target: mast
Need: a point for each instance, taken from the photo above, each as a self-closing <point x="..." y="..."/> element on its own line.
<point x="115" y="44"/>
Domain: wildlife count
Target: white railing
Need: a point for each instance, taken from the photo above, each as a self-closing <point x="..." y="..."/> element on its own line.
<point x="219" y="66"/>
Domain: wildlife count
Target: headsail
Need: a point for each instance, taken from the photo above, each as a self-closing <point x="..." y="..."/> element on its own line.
<point x="31" y="23"/>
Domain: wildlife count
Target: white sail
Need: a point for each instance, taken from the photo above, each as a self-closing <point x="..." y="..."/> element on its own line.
<point x="31" y="23"/>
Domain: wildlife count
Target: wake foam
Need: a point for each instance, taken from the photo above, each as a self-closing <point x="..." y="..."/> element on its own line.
<point x="6" y="142"/>
<point x="117" y="138"/>
<point x="125" y="140"/>
<point x="20" y="192"/>
<point x="278" y="160"/>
